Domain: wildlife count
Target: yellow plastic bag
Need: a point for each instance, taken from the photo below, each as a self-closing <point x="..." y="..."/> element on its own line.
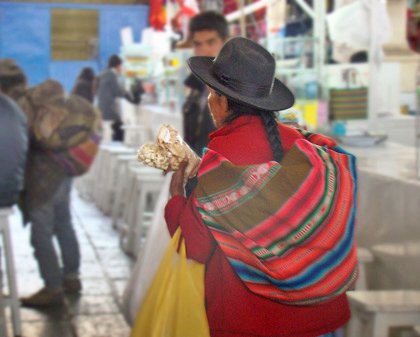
<point x="174" y="304"/>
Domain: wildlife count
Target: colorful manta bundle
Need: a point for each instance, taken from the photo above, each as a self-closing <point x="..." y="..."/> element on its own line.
<point x="77" y="159"/>
<point x="286" y="228"/>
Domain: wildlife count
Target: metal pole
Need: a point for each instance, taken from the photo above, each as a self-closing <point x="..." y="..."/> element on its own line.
<point x="246" y="9"/>
<point x="242" y="18"/>
<point x="306" y="8"/>
<point x="373" y="70"/>
<point x="319" y="43"/>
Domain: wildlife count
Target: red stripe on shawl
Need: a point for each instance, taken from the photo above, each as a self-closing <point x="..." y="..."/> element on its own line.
<point x="291" y="214"/>
<point x="327" y="236"/>
<point x="339" y="192"/>
<point x="334" y="280"/>
<point x="211" y="162"/>
<point x="232" y="247"/>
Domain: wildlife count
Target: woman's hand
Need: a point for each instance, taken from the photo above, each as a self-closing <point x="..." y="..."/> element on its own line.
<point x="178" y="180"/>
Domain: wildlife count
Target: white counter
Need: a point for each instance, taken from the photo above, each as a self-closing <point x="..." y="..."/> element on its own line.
<point x="389" y="159"/>
<point x="155" y="115"/>
<point x="142" y="122"/>
<point x="389" y="194"/>
<point x="399" y="128"/>
<point x="388" y="214"/>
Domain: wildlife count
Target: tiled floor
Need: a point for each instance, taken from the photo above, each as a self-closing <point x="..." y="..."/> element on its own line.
<point x="104" y="273"/>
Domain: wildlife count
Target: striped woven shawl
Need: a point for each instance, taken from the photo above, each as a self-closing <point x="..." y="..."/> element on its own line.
<point x="286" y="228"/>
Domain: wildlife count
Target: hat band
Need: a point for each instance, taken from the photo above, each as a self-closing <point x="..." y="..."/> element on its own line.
<point x="246" y="89"/>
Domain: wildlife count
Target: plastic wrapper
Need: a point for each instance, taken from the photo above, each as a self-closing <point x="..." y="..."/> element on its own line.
<point x="168" y="152"/>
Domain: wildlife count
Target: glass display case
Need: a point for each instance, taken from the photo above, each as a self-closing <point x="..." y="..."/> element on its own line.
<point x="162" y="74"/>
<point x="296" y="68"/>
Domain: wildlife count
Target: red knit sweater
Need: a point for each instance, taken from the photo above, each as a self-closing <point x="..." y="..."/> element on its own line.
<point x="232" y="310"/>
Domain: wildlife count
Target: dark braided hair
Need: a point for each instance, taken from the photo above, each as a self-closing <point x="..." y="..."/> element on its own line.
<point x="272" y="129"/>
<point x="269" y="121"/>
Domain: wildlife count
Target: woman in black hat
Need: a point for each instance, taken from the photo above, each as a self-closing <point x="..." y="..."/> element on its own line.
<point x="255" y="285"/>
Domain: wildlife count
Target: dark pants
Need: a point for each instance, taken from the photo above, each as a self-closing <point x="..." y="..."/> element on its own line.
<point x="53" y="219"/>
<point x="117" y="131"/>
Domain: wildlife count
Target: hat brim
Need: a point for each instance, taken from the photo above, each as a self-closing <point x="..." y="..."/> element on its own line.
<point x="280" y="98"/>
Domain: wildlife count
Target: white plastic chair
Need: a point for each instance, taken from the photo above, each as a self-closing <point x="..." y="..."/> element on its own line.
<point x="374" y="312"/>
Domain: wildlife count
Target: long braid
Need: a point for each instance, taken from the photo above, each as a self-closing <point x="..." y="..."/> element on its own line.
<point x="271" y="127"/>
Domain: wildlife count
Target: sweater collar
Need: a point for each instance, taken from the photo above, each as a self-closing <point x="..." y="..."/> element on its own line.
<point x="236" y="124"/>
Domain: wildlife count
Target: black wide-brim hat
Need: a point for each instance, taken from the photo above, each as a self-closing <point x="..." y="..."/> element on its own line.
<point x="244" y="71"/>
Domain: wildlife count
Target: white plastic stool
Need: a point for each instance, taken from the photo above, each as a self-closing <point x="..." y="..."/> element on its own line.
<point x="143" y="183"/>
<point x="110" y="177"/>
<point x="129" y="205"/>
<point x="85" y="183"/>
<point x="363" y="256"/>
<point x="148" y="187"/>
<point x="3" y="326"/>
<point x="107" y="131"/>
<point x="102" y="168"/>
<point x="12" y="299"/>
<point x="131" y="189"/>
<point x="135" y="135"/>
<point x="121" y="188"/>
<point x="375" y="312"/>
<point x="136" y="176"/>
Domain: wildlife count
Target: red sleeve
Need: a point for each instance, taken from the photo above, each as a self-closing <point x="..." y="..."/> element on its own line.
<point x="199" y="242"/>
<point x="173" y="210"/>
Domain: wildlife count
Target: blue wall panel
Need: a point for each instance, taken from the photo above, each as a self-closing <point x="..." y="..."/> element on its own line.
<point x="25" y="37"/>
<point x="110" y="25"/>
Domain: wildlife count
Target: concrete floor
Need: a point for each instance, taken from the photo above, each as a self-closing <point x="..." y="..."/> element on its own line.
<point x="104" y="273"/>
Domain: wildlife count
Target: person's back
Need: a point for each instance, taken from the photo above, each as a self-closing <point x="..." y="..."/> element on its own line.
<point x="107" y="91"/>
<point x="13" y="149"/>
<point x="197" y="120"/>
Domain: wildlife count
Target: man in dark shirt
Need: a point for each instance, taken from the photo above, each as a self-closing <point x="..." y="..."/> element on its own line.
<point x="208" y="31"/>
